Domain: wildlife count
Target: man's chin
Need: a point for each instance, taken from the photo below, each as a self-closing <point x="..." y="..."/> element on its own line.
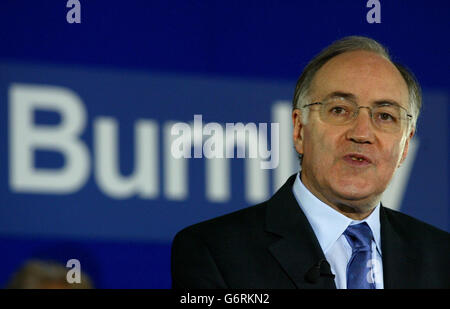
<point x="356" y="196"/>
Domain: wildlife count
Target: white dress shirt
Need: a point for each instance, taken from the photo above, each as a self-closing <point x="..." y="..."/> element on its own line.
<point x="329" y="226"/>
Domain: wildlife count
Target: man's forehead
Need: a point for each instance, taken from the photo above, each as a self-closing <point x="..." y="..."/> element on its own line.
<point x="363" y="74"/>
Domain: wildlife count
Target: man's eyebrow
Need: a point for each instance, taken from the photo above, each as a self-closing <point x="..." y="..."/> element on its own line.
<point x="387" y="102"/>
<point x="352" y="97"/>
<point x="341" y="94"/>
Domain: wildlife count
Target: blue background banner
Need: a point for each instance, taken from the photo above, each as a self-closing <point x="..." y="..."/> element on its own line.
<point x="87" y="111"/>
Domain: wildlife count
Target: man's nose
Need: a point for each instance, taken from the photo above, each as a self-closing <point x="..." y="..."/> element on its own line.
<point x="361" y="130"/>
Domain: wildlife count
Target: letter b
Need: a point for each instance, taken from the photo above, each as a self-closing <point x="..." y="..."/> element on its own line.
<point x="25" y="137"/>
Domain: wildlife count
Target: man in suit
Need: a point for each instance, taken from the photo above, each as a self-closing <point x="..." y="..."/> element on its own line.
<point x="354" y="114"/>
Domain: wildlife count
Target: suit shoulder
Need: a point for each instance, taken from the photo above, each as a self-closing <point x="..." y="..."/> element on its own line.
<point x="249" y="218"/>
<point x="411" y="225"/>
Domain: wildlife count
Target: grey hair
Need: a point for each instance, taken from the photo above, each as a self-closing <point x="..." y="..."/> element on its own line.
<point x="348" y="44"/>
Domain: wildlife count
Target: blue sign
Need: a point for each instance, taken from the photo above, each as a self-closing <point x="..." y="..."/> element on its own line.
<point x="88" y="134"/>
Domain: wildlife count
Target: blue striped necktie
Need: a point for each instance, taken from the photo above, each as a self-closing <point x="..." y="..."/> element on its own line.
<point x="359" y="272"/>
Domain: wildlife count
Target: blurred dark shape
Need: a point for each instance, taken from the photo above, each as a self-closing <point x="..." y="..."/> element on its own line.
<point x="46" y="274"/>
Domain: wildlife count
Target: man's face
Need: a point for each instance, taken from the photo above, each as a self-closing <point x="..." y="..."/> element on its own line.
<point x="329" y="169"/>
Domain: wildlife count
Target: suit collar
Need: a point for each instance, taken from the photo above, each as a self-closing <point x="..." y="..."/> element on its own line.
<point x="298" y="249"/>
<point x="328" y="224"/>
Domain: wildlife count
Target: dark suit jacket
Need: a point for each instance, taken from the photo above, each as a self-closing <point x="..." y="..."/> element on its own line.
<point x="272" y="245"/>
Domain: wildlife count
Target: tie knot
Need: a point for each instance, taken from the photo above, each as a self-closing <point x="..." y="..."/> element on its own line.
<point x="359" y="236"/>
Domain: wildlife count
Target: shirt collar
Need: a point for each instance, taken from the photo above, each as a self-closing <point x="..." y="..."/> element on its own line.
<point x="329" y="224"/>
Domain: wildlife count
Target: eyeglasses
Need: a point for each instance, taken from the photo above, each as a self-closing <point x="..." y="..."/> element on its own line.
<point x="387" y="117"/>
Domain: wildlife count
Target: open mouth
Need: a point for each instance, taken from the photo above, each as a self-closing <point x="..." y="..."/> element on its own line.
<point x="357" y="159"/>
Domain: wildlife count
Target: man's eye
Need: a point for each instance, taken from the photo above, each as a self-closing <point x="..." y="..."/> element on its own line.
<point x="338" y="110"/>
<point x="386" y="117"/>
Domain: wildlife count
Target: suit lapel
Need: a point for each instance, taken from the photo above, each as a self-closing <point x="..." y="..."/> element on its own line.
<point x="400" y="259"/>
<point x="298" y="248"/>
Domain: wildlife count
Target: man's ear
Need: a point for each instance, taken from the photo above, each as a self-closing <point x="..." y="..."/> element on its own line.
<point x="405" y="149"/>
<point x="298" y="130"/>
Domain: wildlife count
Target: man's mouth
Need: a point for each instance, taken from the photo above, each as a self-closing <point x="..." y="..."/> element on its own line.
<point x="357" y="159"/>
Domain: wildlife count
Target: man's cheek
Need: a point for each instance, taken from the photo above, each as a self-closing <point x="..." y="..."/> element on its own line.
<point x="388" y="164"/>
<point x="395" y="155"/>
